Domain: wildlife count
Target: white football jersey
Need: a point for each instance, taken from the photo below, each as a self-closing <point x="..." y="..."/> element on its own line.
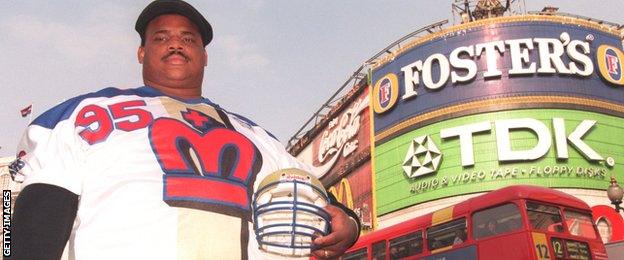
<point x="157" y="177"/>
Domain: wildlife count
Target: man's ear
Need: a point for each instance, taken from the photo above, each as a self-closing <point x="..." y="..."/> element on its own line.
<point x="141" y="54"/>
<point x="205" y="58"/>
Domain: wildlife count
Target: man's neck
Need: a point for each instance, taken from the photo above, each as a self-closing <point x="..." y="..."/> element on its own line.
<point x="177" y="92"/>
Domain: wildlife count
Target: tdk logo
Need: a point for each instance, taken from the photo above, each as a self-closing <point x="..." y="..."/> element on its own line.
<point x="423" y="156"/>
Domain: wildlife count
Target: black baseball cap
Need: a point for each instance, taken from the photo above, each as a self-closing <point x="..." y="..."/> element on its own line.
<point x="160" y="7"/>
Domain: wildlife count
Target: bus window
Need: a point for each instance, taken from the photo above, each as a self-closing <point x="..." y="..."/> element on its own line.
<point x="447" y="234"/>
<point x="359" y="254"/>
<point x="544" y="217"/>
<point x="579" y="224"/>
<point x="498" y="220"/>
<point x="407" y="245"/>
<point x="379" y="250"/>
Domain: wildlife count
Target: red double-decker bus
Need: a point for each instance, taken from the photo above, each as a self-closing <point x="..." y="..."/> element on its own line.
<point x="516" y="222"/>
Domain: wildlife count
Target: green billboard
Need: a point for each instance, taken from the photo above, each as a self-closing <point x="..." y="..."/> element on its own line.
<point x="548" y="147"/>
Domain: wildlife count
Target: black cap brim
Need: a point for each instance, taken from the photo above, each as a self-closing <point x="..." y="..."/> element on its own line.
<point x="160" y="7"/>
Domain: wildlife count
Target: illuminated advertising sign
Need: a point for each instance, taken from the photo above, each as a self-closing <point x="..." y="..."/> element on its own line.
<point x="518" y="100"/>
<point x="345" y="136"/>
<point x="494" y="61"/>
<point x="547" y="147"/>
<point x="354" y="191"/>
<point x="339" y="154"/>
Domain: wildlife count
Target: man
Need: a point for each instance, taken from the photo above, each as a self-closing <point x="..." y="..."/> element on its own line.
<point x="156" y="172"/>
<point x="491" y="227"/>
<point x="460" y="236"/>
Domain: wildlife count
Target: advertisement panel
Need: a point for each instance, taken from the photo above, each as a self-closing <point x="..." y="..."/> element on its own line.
<point x="511" y="100"/>
<point x="507" y="59"/>
<point x="354" y="191"/>
<point x="528" y="146"/>
<point x="339" y="154"/>
<point x="344" y="142"/>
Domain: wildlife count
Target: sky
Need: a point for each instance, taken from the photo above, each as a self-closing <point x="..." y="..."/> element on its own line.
<point x="275" y="62"/>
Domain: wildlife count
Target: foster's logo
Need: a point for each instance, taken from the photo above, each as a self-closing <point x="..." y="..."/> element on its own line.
<point x="385" y="93"/>
<point x="610" y="61"/>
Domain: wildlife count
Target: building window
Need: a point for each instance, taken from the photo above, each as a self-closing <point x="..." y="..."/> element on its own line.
<point x="5" y="180"/>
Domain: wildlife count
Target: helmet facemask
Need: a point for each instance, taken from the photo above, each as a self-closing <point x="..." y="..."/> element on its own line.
<point x="288" y="212"/>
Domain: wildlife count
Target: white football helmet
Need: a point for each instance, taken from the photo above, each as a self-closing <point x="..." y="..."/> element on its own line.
<point x="288" y="212"/>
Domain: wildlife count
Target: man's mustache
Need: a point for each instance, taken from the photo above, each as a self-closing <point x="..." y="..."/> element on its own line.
<point x="176" y="52"/>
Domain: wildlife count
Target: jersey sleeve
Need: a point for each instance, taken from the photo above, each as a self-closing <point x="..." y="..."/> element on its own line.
<point x="51" y="152"/>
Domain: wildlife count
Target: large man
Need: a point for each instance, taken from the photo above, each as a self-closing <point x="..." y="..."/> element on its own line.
<point x="156" y="172"/>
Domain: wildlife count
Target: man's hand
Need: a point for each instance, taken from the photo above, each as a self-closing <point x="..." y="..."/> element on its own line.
<point x="344" y="232"/>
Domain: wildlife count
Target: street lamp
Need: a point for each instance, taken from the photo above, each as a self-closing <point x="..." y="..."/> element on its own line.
<point x="615" y="194"/>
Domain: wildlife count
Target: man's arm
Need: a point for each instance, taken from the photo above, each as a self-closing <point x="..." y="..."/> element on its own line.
<point x="43" y="219"/>
<point x="333" y="201"/>
<point x="345" y="231"/>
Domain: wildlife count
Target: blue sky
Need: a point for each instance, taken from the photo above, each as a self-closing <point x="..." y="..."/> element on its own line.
<point x="275" y="62"/>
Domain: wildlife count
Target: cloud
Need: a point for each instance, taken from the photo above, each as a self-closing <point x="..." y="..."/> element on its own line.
<point x="102" y="32"/>
<point x="241" y="54"/>
<point x="256" y="6"/>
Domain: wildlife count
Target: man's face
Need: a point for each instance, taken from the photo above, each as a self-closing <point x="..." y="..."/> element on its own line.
<point x="173" y="55"/>
<point x="491" y="226"/>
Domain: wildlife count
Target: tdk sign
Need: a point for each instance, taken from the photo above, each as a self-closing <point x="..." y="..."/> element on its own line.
<point x="544" y="139"/>
<point x="423" y="146"/>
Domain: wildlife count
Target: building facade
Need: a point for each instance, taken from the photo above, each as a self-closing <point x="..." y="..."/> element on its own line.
<point x="530" y="99"/>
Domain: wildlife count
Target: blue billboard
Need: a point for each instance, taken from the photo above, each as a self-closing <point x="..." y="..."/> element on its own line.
<point x="507" y="63"/>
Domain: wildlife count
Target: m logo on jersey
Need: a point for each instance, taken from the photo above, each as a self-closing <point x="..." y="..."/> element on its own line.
<point x="207" y="166"/>
<point x="609" y="61"/>
<point x="385" y="93"/>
